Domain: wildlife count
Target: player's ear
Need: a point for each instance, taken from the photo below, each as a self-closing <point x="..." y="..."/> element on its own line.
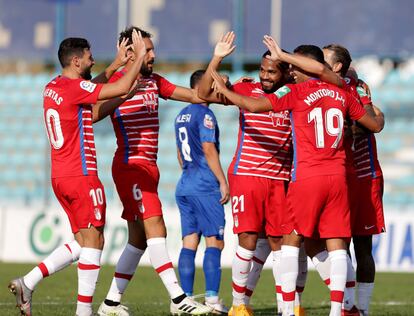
<point x="337" y="67"/>
<point x="76" y="61"/>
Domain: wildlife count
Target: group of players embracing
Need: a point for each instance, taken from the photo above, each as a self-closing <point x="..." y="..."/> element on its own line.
<point x="304" y="178"/>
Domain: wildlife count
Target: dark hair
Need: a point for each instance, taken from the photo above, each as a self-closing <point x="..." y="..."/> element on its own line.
<point x="310" y="51"/>
<point x="127" y="33"/>
<point x="71" y="46"/>
<point x="196" y="77"/>
<point x="341" y="55"/>
<point x="283" y="66"/>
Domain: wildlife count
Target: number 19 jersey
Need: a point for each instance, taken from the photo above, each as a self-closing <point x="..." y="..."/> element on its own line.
<point x="317" y="115"/>
<point x="194" y="125"/>
<point x="68" y="117"/>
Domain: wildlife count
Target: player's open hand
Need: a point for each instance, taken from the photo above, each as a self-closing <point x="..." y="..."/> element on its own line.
<point x="122" y="57"/>
<point x="138" y="44"/>
<point x="219" y="84"/>
<point x="224" y="46"/>
<point x="138" y="86"/>
<point x="225" y="193"/>
<point x="273" y="47"/>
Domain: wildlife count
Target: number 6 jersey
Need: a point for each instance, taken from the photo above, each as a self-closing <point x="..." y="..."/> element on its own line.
<point x="68" y="118"/>
<point x="318" y="110"/>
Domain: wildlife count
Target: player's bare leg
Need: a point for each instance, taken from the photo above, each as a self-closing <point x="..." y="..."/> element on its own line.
<point x="365" y="271"/>
<point x="124" y="270"/>
<point x="338" y="258"/>
<point x="289" y="271"/>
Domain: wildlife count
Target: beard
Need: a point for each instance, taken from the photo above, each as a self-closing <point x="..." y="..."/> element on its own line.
<point x="86" y="74"/>
<point x="145" y="70"/>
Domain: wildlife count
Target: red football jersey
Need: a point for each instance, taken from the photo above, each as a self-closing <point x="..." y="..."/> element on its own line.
<point x="264" y="140"/>
<point x="68" y="117"/>
<point x="350" y="85"/>
<point x="365" y="148"/>
<point x="317" y="116"/>
<point x="136" y="122"/>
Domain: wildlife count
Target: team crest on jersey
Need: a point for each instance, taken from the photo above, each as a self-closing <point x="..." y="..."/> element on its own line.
<point x="150" y="101"/>
<point x="87" y="86"/>
<point x="280" y="118"/>
<point x="208" y="121"/>
<point x="282" y="91"/>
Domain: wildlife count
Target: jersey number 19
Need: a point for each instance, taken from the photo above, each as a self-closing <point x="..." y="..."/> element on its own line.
<point x="331" y="115"/>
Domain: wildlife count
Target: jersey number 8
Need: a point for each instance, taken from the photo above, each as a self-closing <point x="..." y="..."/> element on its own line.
<point x="185" y="147"/>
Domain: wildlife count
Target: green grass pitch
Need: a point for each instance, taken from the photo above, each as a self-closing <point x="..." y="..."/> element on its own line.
<point x="393" y="293"/>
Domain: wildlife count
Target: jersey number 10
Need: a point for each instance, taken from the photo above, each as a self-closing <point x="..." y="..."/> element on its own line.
<point x="331" y="115"/>
<point x="54" y="130"/>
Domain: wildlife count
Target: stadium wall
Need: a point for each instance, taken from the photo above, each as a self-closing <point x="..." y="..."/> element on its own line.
<point x="40" y="230"/>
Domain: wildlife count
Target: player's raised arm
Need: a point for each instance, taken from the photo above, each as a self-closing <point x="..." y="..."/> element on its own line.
<point x="123" y="85"/>
<point x="254" y="105"/>
<point x="307" y="64"/>
<point x="223" y="48"/>
<point x="120" y="60"/>
<point x="104" y="108"/>
<point x="371" y="119"/>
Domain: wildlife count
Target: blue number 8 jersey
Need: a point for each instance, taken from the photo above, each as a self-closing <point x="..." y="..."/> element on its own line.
<point x="194" y="125"/>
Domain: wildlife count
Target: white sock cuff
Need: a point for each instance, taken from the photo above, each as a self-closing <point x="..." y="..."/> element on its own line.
<point x="90" y="255"/>
<point x="320" y="257"/>
<point x="75" y="249"/>
<point x="277" y="255"/>
<point x="290" y="251"/>
<point x="339" y="254"/>
<point x="244" y="253"/>
<point x="156" y="241"/>
<point x="135" y="250"/>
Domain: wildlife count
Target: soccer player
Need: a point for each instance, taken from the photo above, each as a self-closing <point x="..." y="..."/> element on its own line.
<point x="136" y="176"/>
<point x="259" y="173"/>
<point x="365" y="184"/>
<point x="200" y="194"/>
<point x="317" y="195"/>
<point x="67" y="107"/>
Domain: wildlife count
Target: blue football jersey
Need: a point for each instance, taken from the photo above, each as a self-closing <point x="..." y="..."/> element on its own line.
<point x="194" y="125"/>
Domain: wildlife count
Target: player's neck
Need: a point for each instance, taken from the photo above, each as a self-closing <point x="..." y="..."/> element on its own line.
<point x="70" y="73"/>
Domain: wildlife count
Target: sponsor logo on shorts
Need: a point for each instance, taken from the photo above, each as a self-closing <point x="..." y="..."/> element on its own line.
<point x="221" y="231"/>
<point x="87" y="86"/>
<point x="369" y="227"/>
<point x="236" y="221"/>
<point x="98" y="215"/>
<point x="141" y="208"/>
